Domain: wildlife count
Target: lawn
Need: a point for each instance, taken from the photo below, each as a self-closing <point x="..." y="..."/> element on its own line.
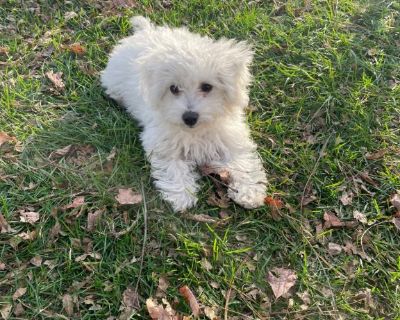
<point x="324" y="111"/>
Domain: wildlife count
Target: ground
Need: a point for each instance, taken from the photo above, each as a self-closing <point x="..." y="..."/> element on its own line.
<point x="324" y="112"/>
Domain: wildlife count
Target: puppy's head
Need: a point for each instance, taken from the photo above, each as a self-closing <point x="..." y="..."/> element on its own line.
<point x="199" y="82"/>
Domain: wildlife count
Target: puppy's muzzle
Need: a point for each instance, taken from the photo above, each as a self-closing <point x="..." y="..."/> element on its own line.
<point x="190" y="118"/>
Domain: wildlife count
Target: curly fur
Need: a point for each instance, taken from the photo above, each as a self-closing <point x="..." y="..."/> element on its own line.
<point x="139" y="74"/>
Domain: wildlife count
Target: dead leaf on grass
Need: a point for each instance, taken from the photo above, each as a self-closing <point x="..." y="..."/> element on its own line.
<point x="210" y="313"/>
<point x="27" y="235"/>
<point x="127" y="196"/>
<point x="365" y="296"/>
<point x="68" y="304"/>
<point x="6" y="138"/>
<point x="365" y="176"/>
<point x="19" y="293"/>
<point x="4" y="226"/>
<point x="5" y="311"/>
<point x="375" y="155"/>
<point x="62" y="152"/>
<point x="19" y="310"/>
<point x="282" y="281"/>
<point x="56" y="79"/>
<point x="70" y="15"/>
<point x="308" y="199"/>
<point x="274" y="202"/>
<point x="36" y="261"/>
<point x="2" y="266"/>
<point x="359" y="216"/>
<point x="77" y="202"/>
<point x="347" y="198"/>
<point x="190" y="299"/>
<point x="163" y="285"/>
<point x="29" y="216"/>
<point x="395" y="201"/>
<point x="83" y="257"/>
<point x="93" y="219"/>
<point x="206" y="264"/>
<point x="158" y="312"/>
<point x="130" y="298"/>
<point x="77" y="49"/>
<point x="332" y="221"/>
<point x="55" y="231"/>
<point x="334" y="249"/>
<point x="396" y="222"/>
<point x="201" y="218"/>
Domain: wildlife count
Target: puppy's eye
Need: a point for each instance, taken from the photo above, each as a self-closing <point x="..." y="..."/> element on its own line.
<point x="205" y="87"/>
<point x="174" y="89"/>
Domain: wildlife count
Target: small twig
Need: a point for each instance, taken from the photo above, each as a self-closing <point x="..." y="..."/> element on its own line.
<point x="127" y="230"/>
<point x="321" y="153"/>
<point x="227" y="297"/>
<point x="144" y="239"/>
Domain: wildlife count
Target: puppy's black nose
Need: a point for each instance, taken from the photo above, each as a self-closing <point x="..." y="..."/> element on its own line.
<point x="190" y="118"/>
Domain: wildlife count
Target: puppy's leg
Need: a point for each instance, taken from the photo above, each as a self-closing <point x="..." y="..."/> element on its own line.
<point x="248" y="180"/>
<point x="176" y="179"/>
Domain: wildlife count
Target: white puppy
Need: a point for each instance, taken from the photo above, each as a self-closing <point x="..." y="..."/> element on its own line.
<point x="189" y="93"/>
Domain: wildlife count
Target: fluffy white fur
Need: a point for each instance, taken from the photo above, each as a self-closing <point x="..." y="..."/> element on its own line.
<point x="139" y="74"/>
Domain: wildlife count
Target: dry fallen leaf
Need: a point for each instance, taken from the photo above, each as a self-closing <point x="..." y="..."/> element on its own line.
<point x="4" y="226"/>
<point x="77" y="202"/>
<point x="29" y="216"/>
<point x="396" y="222"/>
<point x="55" y="231"/>
<point x="36" y="261"/>
<point x="112" y="154"/>
<point x="365" y="296"/>
<point x="375" y="155"/>
<point x="19" y="310"/>
<point x="334" y="249"/>
<point x="127" y="196"/>
<point x="2" y="266"/>
<point x="365" y="176"/>
<point x="201" y="218"/>
<point x="62" y="152"/>
<point x="395" y="201"/>
<point x="19" y="293"/>
<point x="70" y="15"/>
<point x="5" y="138"/>
<point x="158" y="312"/>
<point x="282" y="281"/>
<point x="130" y="298"/>
<point x="55" y="78"/>
<point x="190" y="299"/>
<point x="5" y="311"/>
<point x="359" y="216"/>
<point x="162" y="287"/>
<point x="332" y="221"/>
<point x="347" y="198"/>
<point x="77" y="48"/>
<point x="68" y="304"/>
<point x="210" y="313"/>
<point x="206" y="264"/>
<point x="308" y="199"/>
<point x="93" y="219"/>
<point x="273" y="202"/>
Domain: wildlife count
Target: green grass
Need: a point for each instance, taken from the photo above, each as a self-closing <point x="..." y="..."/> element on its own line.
<point x="326" y="69"/>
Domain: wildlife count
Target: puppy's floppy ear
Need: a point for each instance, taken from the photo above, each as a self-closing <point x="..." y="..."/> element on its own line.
<point x="235" y="76"/>
<point x="152" y="80"/>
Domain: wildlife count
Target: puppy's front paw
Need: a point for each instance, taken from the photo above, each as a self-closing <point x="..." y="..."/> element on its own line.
<point x="180" y="201"/>
<point x="248" y="196"/>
